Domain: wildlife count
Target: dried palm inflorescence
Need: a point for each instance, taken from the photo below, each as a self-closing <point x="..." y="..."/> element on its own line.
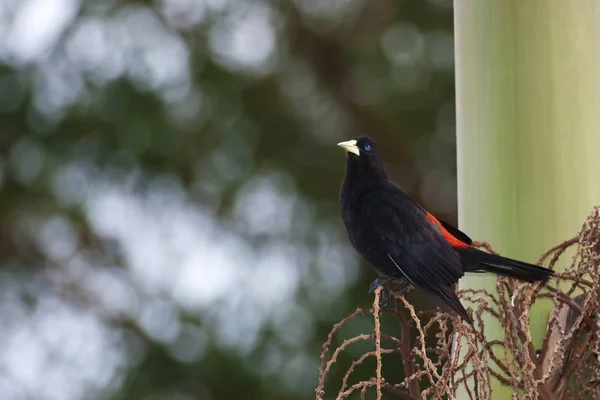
<point x="566" y="366"/>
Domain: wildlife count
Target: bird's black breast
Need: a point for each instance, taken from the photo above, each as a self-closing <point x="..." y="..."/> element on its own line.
<point x="393" y="235"/>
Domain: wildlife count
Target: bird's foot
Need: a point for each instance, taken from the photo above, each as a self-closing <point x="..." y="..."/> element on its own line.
<point x="386" y="294"/>
<point x="380" y="282"/>
<point x="402" y="288"/>
<point x="384" y="299"/>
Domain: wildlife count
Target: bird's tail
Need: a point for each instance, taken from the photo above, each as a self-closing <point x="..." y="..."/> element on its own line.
<point x="478" y="261"/>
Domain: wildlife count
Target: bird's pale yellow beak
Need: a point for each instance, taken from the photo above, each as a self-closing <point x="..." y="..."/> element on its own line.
<point x="350" y="146"/>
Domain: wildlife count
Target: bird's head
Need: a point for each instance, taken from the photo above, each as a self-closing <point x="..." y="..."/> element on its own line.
<point x="363" y="154"/>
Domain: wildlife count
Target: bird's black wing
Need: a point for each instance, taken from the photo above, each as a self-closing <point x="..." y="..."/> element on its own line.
<point x="414" y="246"/>
<point x="457" y="233"/>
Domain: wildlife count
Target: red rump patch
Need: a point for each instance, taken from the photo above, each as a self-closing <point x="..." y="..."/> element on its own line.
<point x="454" y="242"/>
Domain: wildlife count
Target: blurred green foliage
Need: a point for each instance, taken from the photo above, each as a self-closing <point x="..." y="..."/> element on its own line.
<point x="169" y="219"/>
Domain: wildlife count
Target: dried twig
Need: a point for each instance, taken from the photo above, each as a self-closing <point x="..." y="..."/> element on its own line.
<point x="378" y="340"/>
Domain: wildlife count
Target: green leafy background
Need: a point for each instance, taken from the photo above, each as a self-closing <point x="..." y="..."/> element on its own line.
<point x="169" y="218"/>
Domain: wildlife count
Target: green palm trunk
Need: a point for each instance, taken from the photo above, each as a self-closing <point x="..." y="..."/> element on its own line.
<point x="528" y="121"/>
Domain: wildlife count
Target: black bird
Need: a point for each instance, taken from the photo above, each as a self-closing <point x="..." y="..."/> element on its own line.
<point x="403" y="242"/>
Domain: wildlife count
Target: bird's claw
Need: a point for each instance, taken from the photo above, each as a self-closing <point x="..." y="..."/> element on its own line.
<point x="380" y="282"/>
<point x="384" y="300"/>
<point x="401" y="289"/>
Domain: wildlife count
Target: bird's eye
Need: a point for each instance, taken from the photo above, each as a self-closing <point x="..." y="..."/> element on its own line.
<point x="367" y="147"/>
